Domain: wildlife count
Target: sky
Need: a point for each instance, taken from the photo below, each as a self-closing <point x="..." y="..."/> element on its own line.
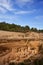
<point x="22" y="12"/>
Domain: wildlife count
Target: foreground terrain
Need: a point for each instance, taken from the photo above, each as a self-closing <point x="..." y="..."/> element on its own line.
<point x="21" y="48"/>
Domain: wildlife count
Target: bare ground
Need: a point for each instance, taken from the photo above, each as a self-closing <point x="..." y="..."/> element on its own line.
<point x="20" y="49"/>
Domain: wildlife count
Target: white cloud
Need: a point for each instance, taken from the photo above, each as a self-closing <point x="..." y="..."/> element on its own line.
<point x="39" y="17"/>
<point x="23" y="2"/>
<point x="6" y="5"/>
<point x="2" y="10"/>
<point x="7" y="17"/>
<point x="25" y="12"/>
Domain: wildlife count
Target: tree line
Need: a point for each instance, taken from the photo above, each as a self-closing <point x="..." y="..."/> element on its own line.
<point x="17" y="28"/>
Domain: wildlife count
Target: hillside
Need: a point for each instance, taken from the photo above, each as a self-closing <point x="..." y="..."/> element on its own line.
<point x="17" y="28"/>
<point x="19" y="48"/>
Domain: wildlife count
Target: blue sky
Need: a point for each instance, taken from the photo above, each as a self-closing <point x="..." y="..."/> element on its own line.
<point x="22" y="12"/>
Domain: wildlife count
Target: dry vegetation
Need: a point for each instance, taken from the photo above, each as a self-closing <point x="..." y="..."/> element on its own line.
<point x="20" y="48"/>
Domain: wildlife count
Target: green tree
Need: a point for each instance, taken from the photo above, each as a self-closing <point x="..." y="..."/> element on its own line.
<point x="27" y="28"/>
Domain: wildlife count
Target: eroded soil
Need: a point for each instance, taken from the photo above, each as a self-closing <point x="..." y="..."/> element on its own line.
<point x="21" y="48"/>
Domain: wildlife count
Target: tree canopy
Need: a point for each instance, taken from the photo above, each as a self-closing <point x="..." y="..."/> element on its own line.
<point x="17" y="28"/>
